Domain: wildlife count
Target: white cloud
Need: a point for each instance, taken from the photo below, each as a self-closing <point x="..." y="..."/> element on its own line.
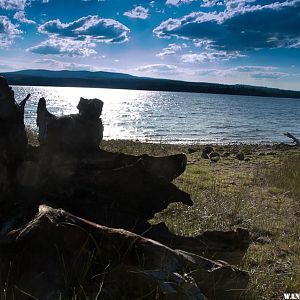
<point x="8" y="32"/>
<point x="20" y="16"/>
<point x="60" y="65"/>
<point x="13" y="4"/>
<point x="178" y="2"/>
<point x="210" y="56"/>
<point x="138" y="12"/>
<point x="211" y="3"/>
<point x="172" y="49"/>
<point x="90" y="27"/>
<point x="254" y="72"/>
<point x="79" y="38"/>
<point x="161" y="69"/>
<point x="241" y="25"/>
<point x="260" y="72"/>
<point x="64" y="47"/>
<point x="17" y="4"/>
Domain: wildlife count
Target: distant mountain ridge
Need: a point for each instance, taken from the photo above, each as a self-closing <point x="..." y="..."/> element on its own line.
<point x="71" y="74"/>
<point x="103" y="79"/>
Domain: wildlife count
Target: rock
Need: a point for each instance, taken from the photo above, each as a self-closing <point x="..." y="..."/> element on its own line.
<point x="263" y="240"/>
<point x="208" y="149"/>
<point x="226" y="154"/>
<point x="240" y="156"/>
<point x="247" y="151"/>
<point x="214" y="156"/>
<point x="191" y="150"/>
<point x="57" y="253"/>
<point x="204" y="155"/>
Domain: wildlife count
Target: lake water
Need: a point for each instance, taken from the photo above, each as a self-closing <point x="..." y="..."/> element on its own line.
<point x="175" y="117"/>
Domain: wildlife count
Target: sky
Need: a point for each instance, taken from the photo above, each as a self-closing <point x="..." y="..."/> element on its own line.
<point x="223" y="41"/>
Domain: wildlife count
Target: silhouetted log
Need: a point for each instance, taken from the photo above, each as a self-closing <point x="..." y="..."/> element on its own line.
<point x="229" y="246"/>
<point x="74" y="133"/>
<point x="13" y="141"/>
<point x="57" y="253"/>
<point x="112" y="193"/>
<point x="295" y="140"/>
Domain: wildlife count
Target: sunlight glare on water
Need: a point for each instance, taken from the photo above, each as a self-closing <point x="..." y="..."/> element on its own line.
<point x="175" y="117"/>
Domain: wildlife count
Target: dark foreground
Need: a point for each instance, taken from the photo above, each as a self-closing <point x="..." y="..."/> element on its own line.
<point x="228" y="207"/>
<point x="64" y="201"/>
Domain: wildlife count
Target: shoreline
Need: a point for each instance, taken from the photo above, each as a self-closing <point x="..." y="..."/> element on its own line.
<point x="180" y="146"/>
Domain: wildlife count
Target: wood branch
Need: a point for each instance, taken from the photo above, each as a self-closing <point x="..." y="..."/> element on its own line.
<point x="295" y="140"/>
<point x="229" y="246"/>
<point x="54" y="252"/>
<point x="13" y="141"/>
<point x="91" y="254"/>
<point x="80" y="132"/>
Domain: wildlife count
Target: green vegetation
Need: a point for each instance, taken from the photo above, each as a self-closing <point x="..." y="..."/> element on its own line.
<point x="262" y="195"/>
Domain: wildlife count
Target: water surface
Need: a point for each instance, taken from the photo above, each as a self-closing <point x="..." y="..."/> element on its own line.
<point x="174" y="116"/>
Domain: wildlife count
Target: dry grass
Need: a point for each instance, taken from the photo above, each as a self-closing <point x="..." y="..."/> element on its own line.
<point x="262" y="195"/>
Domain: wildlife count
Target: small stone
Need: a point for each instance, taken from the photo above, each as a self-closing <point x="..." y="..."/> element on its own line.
<point x="214" y="156"/>
<point x="240" y="156"/>
<point x="204" y="155"/>
<point x="263" y="240"/>
<point x="208" y="149"/>
<point x="191" y="150"/>
<point x="226" y="154"/>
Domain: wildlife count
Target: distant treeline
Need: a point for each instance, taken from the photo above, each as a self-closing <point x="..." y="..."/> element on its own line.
<point x="124" y="81"/>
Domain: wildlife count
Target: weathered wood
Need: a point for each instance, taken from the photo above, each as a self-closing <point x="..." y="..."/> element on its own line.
<point x="295" y="140"/>
<point x="74" y="133"/>
<point x="55" y="252"/>
<point x="48" y="255"/>
<point x="118" y="192"/>
<point x="229" y="246"/>
<point x="13" y="141"/>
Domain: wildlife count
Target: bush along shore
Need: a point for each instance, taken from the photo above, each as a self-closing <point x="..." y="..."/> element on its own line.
<point x="134" y="220"/>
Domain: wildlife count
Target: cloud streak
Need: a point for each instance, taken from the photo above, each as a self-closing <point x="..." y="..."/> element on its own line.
<point x="64" y="47"/>
<point x="210" y="56"/>
<point x="13" y="4"/>
<point x="243" y="25"/>
<point x="138" y="12"/>
<point x="20" y="16"/>
<point x="8" y="32"/>
<point x="90" y="27"/>
<point x="172" y="49"/>
<point x="159" y="69"/>
<point x="80" y="37"/>
<point x="178" y="2"/>
<point x="60" y="65"/>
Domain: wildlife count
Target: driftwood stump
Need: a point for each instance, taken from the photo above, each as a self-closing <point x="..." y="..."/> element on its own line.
<point x="49" y="253"/>
<point x="57" y="251"/>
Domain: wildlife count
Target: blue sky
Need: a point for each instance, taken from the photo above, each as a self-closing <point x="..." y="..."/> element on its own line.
<point x="225" y="41"/>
